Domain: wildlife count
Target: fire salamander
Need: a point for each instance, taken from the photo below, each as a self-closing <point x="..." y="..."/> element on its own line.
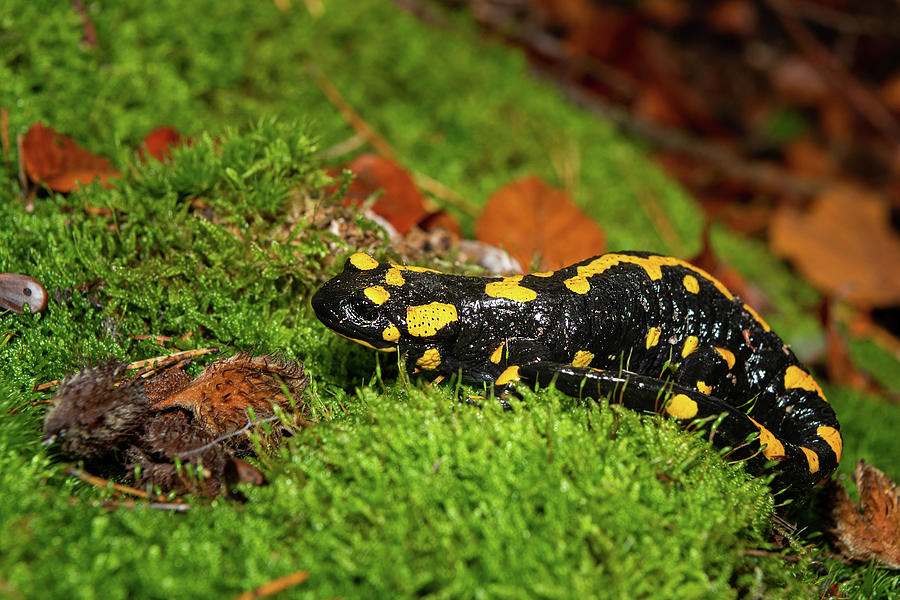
<point x="653" y="333"/>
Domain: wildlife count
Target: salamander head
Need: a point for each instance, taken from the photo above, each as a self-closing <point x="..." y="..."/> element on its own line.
<point x="378" y="304"/>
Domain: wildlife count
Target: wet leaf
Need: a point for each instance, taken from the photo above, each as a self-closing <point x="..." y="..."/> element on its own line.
<point x="870" y="529"/>
<point x="529" y="218"/>
<point x="160" y="141"/>
<point x="59" y="163"/>
<point x="844" y="245"/>
<point x="400" y="202"/>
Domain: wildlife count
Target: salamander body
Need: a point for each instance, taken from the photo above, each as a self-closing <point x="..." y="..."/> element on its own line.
<point x="654" y="333"/>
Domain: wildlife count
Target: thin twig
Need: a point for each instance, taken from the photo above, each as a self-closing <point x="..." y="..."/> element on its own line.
<point x="760" y="176"/>
<point x="381" y="145"/>
<point x="768" y="554"/>
<point x="227" y="436"/>
<point x="350" y="115"/>
<point x="857" y="97"/>
<point x="156" y="362"/>
<point x="106" y="483"/>
<point x="275" y="586"/>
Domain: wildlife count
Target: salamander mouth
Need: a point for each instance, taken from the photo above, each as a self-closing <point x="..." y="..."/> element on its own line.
<point x="333" y="313"/>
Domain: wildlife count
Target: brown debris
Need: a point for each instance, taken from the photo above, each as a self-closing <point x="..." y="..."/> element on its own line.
<point x="870" y="529"/>
<point x="174" y="432"/>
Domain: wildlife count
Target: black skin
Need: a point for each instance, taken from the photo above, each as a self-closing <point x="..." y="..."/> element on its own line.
<point x="610" y="318"/>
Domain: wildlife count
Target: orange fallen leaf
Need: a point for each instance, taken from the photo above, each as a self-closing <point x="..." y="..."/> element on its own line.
<point x="528" y="217"/>
<point x="59" y="163"/>
<point x="220" y="397"/>
<point x="401" y="202"/>
<point x="844" y="245"/>
<point x="870" y="529"/>
<point x="160" y="141"/>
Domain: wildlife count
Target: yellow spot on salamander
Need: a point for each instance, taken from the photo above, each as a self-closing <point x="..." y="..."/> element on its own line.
<point x="430" y="360"/>
<point x="690" y="344"/>
<point x="653" y="336"/>
<point x="510" y="374"/>
<point x="758" y="318"/>
<point x="377" y="294"/>
<point x="812" y="459"/>
<point x="774" y="449"/>
<point x="651" y="264"/>
<point x="795" y="377"/>
<point x="681" y="406"/>
<point x="691" y="284"/>
<point x="704" y="388"/>
<point x="394" y="277"/>
<point x="728" y="355"/>
<point x="509" y="287"/>
<point x="363" y="262"/>
<point x="390" y="334"/>
<point x="369" y="345"/>
<point x="497" y="354"/>
<point x="582" y="358"/>
<point x="833" y="437"/>
<point x="543" y="273"/>
<point x="427" y="319"/>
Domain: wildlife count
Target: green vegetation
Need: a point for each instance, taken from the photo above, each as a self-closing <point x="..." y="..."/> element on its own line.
<point x="398" y="490"/>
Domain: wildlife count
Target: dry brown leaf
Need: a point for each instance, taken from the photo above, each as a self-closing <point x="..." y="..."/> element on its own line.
<point x="529" y="218"/>
<point x="164" y="429"/>
<point x="844" y="245"/>
<point x="59" y="163"/>
<point x="870" y="529"/>
<point x="160" y="141"/>
<point x="400" y="202"/>
<point x="221" y="396"/>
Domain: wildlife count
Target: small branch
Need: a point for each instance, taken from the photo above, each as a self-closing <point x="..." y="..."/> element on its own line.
<point x="857" y="97"/>
<point x="759" y="176"/>
<point x="350" y="115"/>
<point x="768" y="554"/>
<point x="106" y="483"/>
<point x="381" y="146"/>
<point x="156" y="362"/>
<point x="275" y="586"/>
<point x="250" y="424"/>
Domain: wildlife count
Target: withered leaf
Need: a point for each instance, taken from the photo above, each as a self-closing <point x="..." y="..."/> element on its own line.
<point x="529" y="218"/>
<point x="173" y="432"/>
<point x="221" y="396"/>
<point x="870" y="529"/>
<point x="160" y="141"/>
<point x="400" y="203"/>
<point x="59" y="163"/>
<point x="844" y="245"/>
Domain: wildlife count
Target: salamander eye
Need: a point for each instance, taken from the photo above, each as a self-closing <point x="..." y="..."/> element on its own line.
<point x="362" y="309"/>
